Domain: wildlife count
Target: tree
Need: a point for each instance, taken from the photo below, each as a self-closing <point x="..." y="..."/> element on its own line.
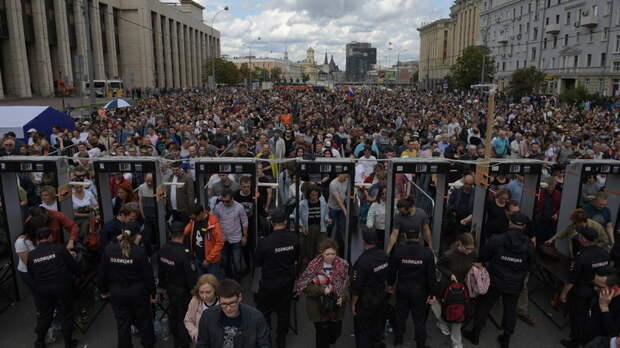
<point x="416" y="76"/>
<point x="276" y="74"/>
<point x="305" y="78"/>
<point x="575" y="95"/>
<point x="245" y="71"/>
<point x="526" y="81"/>
<point x="468" y="68"/>
<point x="225" y="72"/>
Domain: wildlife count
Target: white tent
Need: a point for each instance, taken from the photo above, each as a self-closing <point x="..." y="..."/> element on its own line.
<point x="19" y="119"/>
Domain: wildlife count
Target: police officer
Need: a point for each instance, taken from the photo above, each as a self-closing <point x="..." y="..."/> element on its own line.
<point x="53" y="271"/>
<point x="368" y="286"/>
<point x="177" y="275"/>
<point x="277" y="255"/>
<point x="126" y="276"/>
<point x="510" y="256"/>
<point x="579" y="290"/>
<point x="414" y="267"/>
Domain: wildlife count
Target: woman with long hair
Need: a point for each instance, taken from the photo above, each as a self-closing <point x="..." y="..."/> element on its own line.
<point x="324" y="282"/>
<point x="126" y="277"/>
<point x="204" y="298"/>
<point x="376" y="217"/>
<point x="24" y="244"/>
<point x="124" y="194"/>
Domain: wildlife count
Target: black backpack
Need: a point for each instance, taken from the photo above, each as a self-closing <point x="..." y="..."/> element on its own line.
<point x="455" y="303"/>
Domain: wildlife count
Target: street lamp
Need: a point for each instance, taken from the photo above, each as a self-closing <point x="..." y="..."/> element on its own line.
<point x="212" y="77"/>
<point x="250" y="63"/>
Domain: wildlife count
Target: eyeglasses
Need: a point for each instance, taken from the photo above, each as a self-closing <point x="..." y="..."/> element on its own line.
<point x="229" y="304"/>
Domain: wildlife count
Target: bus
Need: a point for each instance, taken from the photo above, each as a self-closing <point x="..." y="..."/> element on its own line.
<point x="105" y="88"/>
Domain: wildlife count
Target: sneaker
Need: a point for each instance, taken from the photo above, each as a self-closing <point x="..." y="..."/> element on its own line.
<point x="443" y="328"/>
<point x="528" y="319"/>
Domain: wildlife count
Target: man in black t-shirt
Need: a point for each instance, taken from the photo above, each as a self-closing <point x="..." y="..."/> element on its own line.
<point x="248" y="200"/>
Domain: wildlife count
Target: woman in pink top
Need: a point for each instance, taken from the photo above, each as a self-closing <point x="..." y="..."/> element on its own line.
<point x="204" y="298"/>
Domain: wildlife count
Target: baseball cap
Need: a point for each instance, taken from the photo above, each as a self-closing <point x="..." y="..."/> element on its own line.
<point x="369" y="236"/>
<point x="519" y="219"/>
<point x="279" y="215"/>
<point x="31" y="130"/>
<point x="588" y="233"/>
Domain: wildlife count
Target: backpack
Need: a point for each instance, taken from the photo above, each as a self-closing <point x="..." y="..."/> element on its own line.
<point x="478" y="281"/>
<point x="455" y="303"/>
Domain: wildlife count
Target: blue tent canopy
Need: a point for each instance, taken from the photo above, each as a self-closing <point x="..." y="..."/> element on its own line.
<point x="19" y="119"/>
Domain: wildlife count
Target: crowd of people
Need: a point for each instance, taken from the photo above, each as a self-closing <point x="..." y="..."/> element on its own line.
<point x="239" y="235"/>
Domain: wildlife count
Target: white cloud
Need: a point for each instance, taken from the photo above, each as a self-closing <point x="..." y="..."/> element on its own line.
<point x="327" y="26"/>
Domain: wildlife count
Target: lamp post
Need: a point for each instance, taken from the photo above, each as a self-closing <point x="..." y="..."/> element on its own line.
<point x="250" y="63"/>
<point x="212" y="78"/>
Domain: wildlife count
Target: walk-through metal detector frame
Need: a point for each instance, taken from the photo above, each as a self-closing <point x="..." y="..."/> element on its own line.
<point x="416" y="166"/>
<point x="10" y="166"/>
<point x="106" y="166"/>
<point x="205" y="167"/>
<point x="333" y="167"/>
<point x="571" y="192"/>
<point x="531" y="170"/>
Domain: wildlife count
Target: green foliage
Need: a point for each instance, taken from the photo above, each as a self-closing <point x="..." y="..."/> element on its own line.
<point x="526" y="81"/>
<point x="276" y="74"/>
<point x="468" y="68"/>
<point x="415" y="77"/>
<point x="225" y="72"/>
<point x="575" y="95"/>
<point x="305" y="78"/>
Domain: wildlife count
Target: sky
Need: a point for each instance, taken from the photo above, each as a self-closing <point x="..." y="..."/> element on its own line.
<point x="325" y="25"/>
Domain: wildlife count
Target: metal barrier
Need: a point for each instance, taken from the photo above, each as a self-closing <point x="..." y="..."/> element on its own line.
<point x="423" y="200"/>
<point x="68" y="151"/>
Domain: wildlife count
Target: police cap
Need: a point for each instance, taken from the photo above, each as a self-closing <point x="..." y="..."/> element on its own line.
<point x="519" y="219"/>
<point x="279" y="215"/>
<point x="368" y="235"/>
<point x="177" y="227"/>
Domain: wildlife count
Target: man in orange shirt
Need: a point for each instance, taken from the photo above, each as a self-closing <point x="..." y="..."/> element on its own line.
<point x="204" y="239"/>
<point x="287" y="120"/>
<point x="56" y="221"/>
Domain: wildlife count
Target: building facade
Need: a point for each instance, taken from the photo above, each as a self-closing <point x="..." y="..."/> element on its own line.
<point x="290" y="71"/>
<point x="573" y="42"/>
<point x="443" y="41"/>
<point x="435" y="49"/>
<point x="359" y="60"/>
<point x="145" y="43"/>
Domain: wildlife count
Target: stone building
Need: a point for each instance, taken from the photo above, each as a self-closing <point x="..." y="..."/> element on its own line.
<point x="145" y="43"/>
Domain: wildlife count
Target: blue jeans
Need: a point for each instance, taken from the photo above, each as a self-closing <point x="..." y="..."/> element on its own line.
<point x="231" y="257"/>
<point x="338" y="226"/>
<point x="213" y="268"/>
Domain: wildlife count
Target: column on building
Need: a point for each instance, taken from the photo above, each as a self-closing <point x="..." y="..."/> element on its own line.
<point x="175" y="41"/>
<point x="159" y="51"/>
<point x="43" y="81"/>
<point x="200" y="57"/>
<point x="217" y="48"/>
<point x="1" y="88"/>
<point x="112" y="62"/>
<point x="168" y="53"/>
<point x="17" y="74"/>
<point x="195" y="57"/>
<point x="188" y="57"/>
<point x="79" y="6"/>
<point x="96" y="43"/>
<point x="62" y="41"/>
<point x="182" y="54"/>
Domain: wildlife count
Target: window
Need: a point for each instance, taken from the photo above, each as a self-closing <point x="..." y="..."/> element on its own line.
<point x="548" y="3"/>
<point x="565" y="39"/>
<point x="616" y="66"/>
<point x="563" y="62"/>
<point x="547" y="21"/>
<point x="595" y="10"/>
<point x="529" y="7"/>
<point x="555" y="42"/>
<point x="552" y="62"/>
<point x="517" y="64"/>
<point x="603" y="60"/>
<point x="545" y="44"/>
<point x="589" y="60"/>
<point x="577" y="37"/>
<point x="605" y="33"/>
<point x="533" y="53"/>
<point x="618" y="43"/>
<point x="575" y="61"/>
<point x="608" y="8"/>
<point x="557" y="19"/>
<point x="535" y="33"/>
<point x="568" y="17"/>
<point x="591" y="36"/>
<point x="520" y="28"/>
<point x="543" y="63"/>
<point x="527" y="28"/>
<point x="504" y="66"/>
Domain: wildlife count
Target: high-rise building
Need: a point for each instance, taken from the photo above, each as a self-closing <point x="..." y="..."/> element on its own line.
<point x="145" y="43"/>
<point x="360" y="58"/>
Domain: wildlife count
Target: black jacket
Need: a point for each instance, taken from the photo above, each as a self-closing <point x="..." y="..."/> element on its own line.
<point x="582" y="270"/>
<point x="277" y="254"/>
<point x="254" y="329"/>
<point x="176" y="267"/>
<point x="117" y="272"/>
<point x="370" y="272"/>
<point x="604" y="324"/>
<point x="414" y="267"/>
<point x="51" y="264"/>
<point x="509" y="256"/>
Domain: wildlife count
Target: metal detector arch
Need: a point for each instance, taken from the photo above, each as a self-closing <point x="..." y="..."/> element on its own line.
<point x="439" y="167"/>
<point x="333" y="167"/>
<point x="571" y="193"/>
<point x="10" y="166"/>
<point x="106" y="166"/>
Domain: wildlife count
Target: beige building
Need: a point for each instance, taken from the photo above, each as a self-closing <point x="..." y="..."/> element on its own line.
<point x="435" y="49"/>
<point x="290" y="71"/>
<point x="145" y="43"/>
<point x="443" y="41"/>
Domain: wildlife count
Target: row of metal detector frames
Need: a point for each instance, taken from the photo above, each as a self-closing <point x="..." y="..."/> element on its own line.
<point x="420" y="171"/>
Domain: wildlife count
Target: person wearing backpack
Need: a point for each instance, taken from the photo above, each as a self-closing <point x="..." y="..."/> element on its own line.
<point x="510" y="256"/>
<point x="454" y="266"/>
<point x="413" y="265"/>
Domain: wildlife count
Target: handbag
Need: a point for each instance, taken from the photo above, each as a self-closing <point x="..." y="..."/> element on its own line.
<point x="327" y="304"/>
